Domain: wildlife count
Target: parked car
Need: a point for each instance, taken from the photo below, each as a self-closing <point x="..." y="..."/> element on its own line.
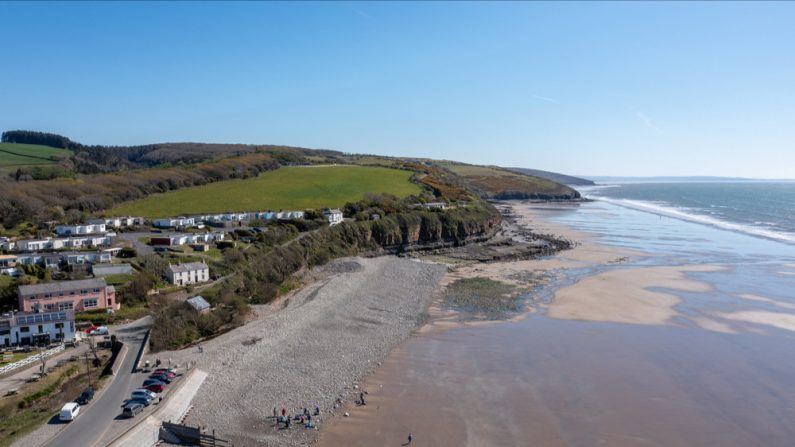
<point x="69" y="412"/>
<point x="142" y="401"/>
<point x="143" y="393"/>
<point x="156" y="388"/>
<point x="164" y="372"/>
<point x="172" y="370"/>
<point x="161" y="377"/>
<point x="102" y="330"/>
<point x="86" y="396"/>
<point x="148" y="382"/>
<point x="131" y="409"/>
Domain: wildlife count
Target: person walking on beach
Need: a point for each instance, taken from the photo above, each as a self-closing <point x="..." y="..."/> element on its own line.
<point x="410" y="438"/>
<point x="361" y="398"/>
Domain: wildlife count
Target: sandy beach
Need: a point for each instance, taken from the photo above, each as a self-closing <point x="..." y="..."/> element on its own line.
<point x="614" y="356"/>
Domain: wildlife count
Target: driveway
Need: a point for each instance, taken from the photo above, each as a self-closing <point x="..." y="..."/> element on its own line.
<point x="140" y="247"/>
<point x="97" y="420"/>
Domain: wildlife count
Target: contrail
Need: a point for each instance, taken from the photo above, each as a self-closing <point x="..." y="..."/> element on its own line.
<point x="645" y="120"/>
<point x="544" y="98"/>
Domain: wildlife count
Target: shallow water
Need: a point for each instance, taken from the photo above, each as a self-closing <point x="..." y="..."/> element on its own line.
<point x="548" y="382"/>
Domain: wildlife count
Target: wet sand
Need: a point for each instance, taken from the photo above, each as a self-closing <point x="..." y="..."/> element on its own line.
<point x="627" y="355"/>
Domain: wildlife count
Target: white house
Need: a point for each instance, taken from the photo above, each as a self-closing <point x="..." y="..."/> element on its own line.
<point x="68" y="230"/>
<point x="334" y="216"/>
<point x="42" y="328"/>
<point x="174" y="222"/>
<point x="190" y="273"/>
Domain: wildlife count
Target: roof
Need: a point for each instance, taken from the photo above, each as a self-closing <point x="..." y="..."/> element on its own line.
<point x="54" y="287"/>
<point x="182" y="268"/>
<point x="7" y="257"/>
<point x="198" y="302"/>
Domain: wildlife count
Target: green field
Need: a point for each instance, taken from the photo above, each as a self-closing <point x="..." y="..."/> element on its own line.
<point x="12" y="154"/>
<point x="289" y="188"/>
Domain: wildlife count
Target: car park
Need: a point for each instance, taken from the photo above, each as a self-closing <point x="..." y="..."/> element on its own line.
<point x="69" y="412"/>
<point x="86" y="396"/>
<point x="131" y="409"/>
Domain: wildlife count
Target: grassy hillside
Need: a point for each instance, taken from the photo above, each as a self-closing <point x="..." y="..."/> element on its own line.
<point x="499" y="183"/>
<point x="554" y="176"/>
<point x="12" y="154"/>
<point x="289" y="188"/>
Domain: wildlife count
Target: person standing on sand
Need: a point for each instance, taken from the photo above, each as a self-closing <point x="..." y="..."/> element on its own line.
<point x="361" y="398"/>
<point x="284" y="411"/>
<point x="410" y="438"/>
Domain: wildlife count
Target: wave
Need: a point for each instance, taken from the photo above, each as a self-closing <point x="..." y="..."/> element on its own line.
<point x="678" y="213"/>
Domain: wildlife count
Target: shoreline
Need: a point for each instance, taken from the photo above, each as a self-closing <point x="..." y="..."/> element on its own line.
<point x="439" y="383"/>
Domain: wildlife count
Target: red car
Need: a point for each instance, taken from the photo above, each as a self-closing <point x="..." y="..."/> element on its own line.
<point x="155" y="388"/>
<point x="164" y="372"/>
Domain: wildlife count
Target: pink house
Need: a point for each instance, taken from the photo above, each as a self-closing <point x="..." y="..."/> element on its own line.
<point x="80" y="295"/>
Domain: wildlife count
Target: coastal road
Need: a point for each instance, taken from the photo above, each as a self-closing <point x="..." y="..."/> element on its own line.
<point x="97" y="418"/>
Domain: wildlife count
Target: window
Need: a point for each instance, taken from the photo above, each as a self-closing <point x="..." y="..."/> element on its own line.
<point x="59" y="325"/>
<point x="49" y="306"/>
<point x="47" y="295"/>
<point x="90" y="303"/>
<point x="71" y="292"/>
<point x="83" y="292"/>
<point x="110" y="302"/>
<point x="24" y="329"/>
<point x="41" y="329"/>
<point x="96" y="290"/>
<point x="66" y="305"/>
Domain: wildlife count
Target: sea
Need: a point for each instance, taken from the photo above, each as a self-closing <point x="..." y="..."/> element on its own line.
<point x="764" y="209"/>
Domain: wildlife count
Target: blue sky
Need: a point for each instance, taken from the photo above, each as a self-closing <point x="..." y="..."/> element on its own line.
<point x="680" y="88"/>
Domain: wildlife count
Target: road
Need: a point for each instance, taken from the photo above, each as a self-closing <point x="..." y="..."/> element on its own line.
<point x="98" y="417"/>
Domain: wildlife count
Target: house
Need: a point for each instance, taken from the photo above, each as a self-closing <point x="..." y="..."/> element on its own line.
<point x="199" y="304"/>
<point x="7" y="244"/>
<point x="7" y="261"/>
<point x="68" y="230"/>
<point x="80" y="295"/>
<point x="87" y="241"/>
<point x="200" y="247"/>
<point x="334" y="216"/>
<point x="184" y="239"/>
<point x="41" y="328"/>
<point x="435" y="205"/>
<point x="189" y="273"/>
<point x="174" y="222"/>
<point x="34" y="244"/>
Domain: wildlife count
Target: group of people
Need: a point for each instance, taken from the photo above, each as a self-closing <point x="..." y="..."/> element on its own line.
<point x="304" y="418"/>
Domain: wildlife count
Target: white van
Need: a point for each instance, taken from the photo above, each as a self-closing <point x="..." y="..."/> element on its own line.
<point x="69" y="411"/>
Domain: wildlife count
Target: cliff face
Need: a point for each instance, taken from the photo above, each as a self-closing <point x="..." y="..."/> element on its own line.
<point x="519" y="195"/>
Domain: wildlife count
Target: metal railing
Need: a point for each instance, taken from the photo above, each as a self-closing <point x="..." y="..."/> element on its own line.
<point x="32" y="359"/>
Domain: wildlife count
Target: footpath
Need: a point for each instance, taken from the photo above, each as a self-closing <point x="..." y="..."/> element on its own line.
<point x="18" y="378"/>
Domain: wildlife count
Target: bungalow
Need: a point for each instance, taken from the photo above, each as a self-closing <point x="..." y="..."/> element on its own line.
<point x="334" y="216"/>
<point x="8" y="261"/>
<point x="24" y="328"/>
<point x="7" y="244"/>
<point x="174" y="222"/>
<point x="83" y="294"/>
<point x="34" y="244"/>
<point x="189" y="273"/>
<point x="67" y="230"/>
<point x="184" y="239"/>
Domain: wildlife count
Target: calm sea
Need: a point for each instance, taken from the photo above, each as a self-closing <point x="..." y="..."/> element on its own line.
<point x="759" y="209"/>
